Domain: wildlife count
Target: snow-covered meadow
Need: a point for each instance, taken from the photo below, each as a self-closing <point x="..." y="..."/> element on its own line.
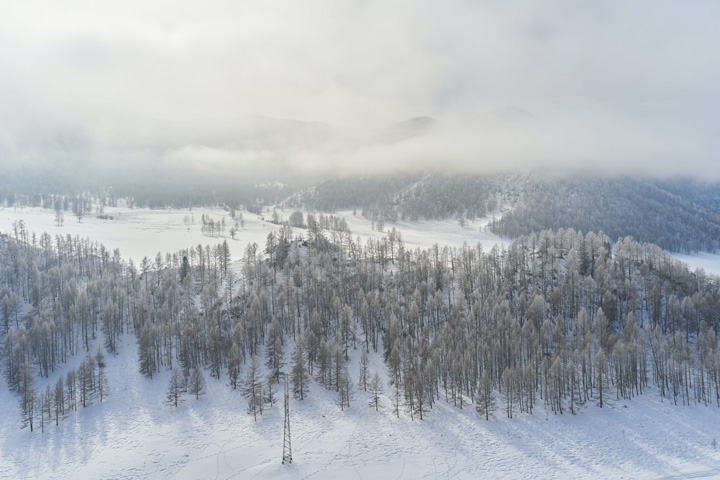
<point x="140" y="232"/>
<point x="135" y="434"/>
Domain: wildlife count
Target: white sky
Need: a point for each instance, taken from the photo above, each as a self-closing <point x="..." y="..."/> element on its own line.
<point x="628" y="86"/>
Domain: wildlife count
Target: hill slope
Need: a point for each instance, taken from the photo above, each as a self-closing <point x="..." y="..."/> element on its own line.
<point x="133" y="434"/>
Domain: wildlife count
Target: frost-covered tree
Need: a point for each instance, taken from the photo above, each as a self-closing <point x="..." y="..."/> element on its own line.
<point x="234" y="365"/>
<point x="275" y="350"/>
<point x="375" y="387"/>
<point x="344" y="389"/>
<point x="296" y="219"/>
<point x="395" y="378"/>
<point x="300" y="376"/>
<point x="45" y="407"/>
<point x="253" y="387"/>
<point x="71" y="388"/>
<point x="485" y="396"/>
<point x="59" y="400"/>
<point x="196" y="383"/>
<point x="363" y="376"/>
<point x="85" y="380"/>
<point x="176" y="386"/>
<point x="147" y="349"/>
<point x="103" y="387"/>
<point x="28" y="396"/>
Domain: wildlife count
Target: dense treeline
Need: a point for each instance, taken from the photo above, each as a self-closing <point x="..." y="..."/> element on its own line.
<point x="678" y="215"/>
<point x="647" y="210"/>
<point x="406" y="197"/>
<point x="706" y="195"/>
<point x="60" y="295"/>
<point x="185" y="194"/>
<point x="559" y="319"/>
<point x="350" y="192"/>
<point x="157" y="194"/>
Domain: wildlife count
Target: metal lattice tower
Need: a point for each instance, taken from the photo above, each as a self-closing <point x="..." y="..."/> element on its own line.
<point x="287" y="448"/>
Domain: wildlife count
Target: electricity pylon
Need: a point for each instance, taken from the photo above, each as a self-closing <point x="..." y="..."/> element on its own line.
<point x="287" y="447"/>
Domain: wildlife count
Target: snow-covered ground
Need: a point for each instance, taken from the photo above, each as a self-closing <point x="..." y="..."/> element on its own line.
<point x="143" y="232"/>
<point x="710" y="262"/>
<point x="134" y="434"/>
<point x="426" y="233"/>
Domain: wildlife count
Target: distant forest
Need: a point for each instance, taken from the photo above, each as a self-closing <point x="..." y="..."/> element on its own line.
<point x="678" y="215"/>
<point x="560" y="319"/>
<point x="152" y="191"/>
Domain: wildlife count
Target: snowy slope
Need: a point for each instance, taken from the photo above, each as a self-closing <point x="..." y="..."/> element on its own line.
<point x="133" y="434"/>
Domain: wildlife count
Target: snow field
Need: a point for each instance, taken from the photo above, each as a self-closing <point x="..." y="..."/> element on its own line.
<point x="710" y="262"/>
<point x="143" y="232"/>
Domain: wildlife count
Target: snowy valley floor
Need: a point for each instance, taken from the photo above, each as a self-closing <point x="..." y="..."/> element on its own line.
<point x="140" y="232"/>
<point x="134" y="434"/>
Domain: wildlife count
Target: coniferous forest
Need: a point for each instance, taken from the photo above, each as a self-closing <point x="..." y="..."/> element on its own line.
<point x="559" y="319"/>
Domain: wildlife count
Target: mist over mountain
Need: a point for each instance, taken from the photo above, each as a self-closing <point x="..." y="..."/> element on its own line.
<point x="197" y="91"/>
<point x="122" y="147"/>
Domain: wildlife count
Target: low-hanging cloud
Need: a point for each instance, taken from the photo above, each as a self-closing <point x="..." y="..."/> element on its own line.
<point x="610" y="87"/>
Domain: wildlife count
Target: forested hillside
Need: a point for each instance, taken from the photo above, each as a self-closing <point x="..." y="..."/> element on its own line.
<point x="409" y="196"/>
<point x="677" y="215"/>
<point x="672" y="215"/>
<point x="148" y="190"/>
<point x="559" y="319"/>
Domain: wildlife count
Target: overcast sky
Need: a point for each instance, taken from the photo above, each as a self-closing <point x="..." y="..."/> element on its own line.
<point x="630" y="86"/>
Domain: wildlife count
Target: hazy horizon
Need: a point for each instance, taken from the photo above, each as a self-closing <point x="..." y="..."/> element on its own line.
<point x="609" y="87"/>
